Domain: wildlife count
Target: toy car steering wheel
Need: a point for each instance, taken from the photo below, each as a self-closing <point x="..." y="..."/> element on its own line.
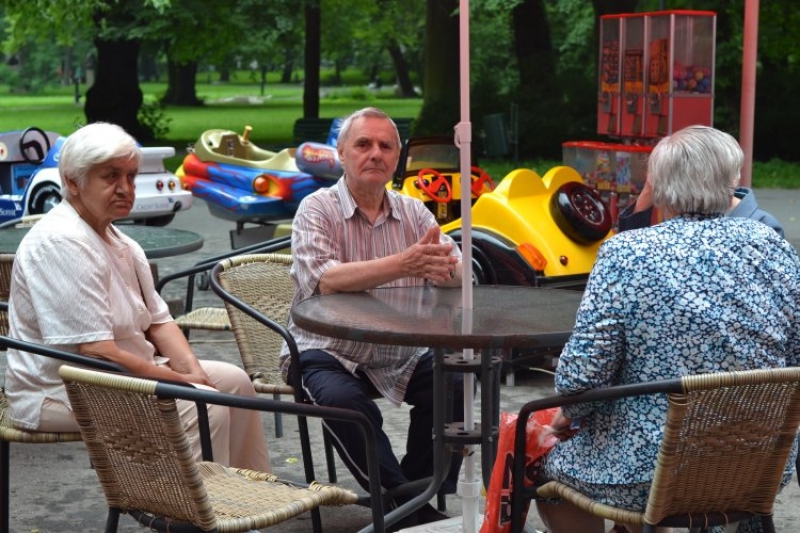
<point x="479" y="177"/>
<point x="432" y="189"/>
<point x="580" y="213"/>
<point x="34" y="144"/>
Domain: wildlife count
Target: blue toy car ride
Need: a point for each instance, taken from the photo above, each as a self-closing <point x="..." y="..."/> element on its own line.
<point x="30" y="183"/>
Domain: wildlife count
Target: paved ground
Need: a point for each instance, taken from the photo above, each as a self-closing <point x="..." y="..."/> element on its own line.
<point x="53" y="488"/>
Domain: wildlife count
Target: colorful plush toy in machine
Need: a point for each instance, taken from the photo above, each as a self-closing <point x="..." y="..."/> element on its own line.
<point x="245" y="183"/>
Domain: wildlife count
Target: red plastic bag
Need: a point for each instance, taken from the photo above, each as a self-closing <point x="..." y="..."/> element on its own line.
<point x="497" y="517"/>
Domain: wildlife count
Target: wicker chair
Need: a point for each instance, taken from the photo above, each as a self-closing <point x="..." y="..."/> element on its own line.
<point x="257" y="291"/>
<point x="727" y="440"/>
<point x="211" y="318"/>
<point x="9" y="434"/>
<point x="144" y="463"/>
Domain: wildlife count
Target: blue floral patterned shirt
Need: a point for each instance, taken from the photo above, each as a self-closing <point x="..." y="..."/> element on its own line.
<point x="695" y="294"/>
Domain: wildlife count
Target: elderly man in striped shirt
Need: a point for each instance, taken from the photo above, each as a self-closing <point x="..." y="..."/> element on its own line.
<point x="354" y="236"/>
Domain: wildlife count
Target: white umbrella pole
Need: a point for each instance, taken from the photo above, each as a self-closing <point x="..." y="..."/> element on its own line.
<point x="469" y="488"/>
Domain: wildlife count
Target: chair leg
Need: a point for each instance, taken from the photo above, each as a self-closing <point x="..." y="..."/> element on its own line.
<point x="278" y="419"/>
<point x="441" y="501"/>
<point x="112" y="520"/>
<point x="330" y="459"/>
<point x="5" y="486"/>
<point x="316" y="520"/>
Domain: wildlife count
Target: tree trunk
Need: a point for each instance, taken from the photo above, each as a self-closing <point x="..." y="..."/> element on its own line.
<point x="440" y="108"/>
<point x="337" y="72"/>
<point x="532" y="46"/>
<point x="313" y="55"/>
<point x="286" y="72"/>
<point x="401" y="70"/>
<point x="66" y="68"/>
<point x="115" y="95"/>
<point x="611" y="7"/>
<point x="148" y="64"/>
<point x="181" y="88"/>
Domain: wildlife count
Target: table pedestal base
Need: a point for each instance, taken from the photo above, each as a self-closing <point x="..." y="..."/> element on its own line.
<point x="451" y="525"/>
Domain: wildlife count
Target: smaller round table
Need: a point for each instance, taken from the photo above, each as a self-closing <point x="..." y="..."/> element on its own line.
<point x="157" y="242"/>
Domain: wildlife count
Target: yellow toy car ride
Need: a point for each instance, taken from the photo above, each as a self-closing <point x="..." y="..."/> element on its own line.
<point x="429" y="169"/>
<point x="536" y="231"/>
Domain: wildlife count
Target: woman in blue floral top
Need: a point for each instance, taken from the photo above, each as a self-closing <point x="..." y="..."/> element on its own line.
<point x="698" y="293"/>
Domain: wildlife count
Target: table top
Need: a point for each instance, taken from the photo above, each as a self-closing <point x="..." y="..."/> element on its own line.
<point x="156" y="241"/>
<point x="502" y="316"/>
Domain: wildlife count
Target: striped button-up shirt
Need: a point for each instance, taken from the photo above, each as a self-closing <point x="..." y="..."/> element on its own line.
<point x="329" y="229"/>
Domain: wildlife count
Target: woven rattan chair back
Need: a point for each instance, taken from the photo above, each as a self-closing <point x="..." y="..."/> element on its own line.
<point x="726" y="443"/>
<point x="144" y="462"/>
<point x="138" y="448"/>
<point x="6" y="266"/>
<point x="727" y="440"/>
<point x="262" y="281"/>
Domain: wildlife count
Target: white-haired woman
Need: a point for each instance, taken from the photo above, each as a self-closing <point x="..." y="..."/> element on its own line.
<point x="701" y="292"/>
<point x="742" y="200"/>
<point x="81" y="285"/>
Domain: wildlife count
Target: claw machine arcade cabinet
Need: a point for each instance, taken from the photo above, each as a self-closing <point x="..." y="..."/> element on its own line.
<point x="680" y="74"/>
<point x="655" y="77"/>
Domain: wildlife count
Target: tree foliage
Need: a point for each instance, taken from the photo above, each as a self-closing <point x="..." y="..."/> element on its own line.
<point x="440" y="109"/>
<point x="537" y="57"/>
<point x="117" y="28"/>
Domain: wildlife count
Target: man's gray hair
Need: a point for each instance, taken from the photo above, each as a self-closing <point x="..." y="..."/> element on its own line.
<point x="695" y="170"/>
<point x="367" y="112"/>
<point x="92" y="145"/>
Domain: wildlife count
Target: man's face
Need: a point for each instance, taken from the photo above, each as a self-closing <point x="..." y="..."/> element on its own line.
<point x="108" y="193"/>
<point x="370" y="153"/>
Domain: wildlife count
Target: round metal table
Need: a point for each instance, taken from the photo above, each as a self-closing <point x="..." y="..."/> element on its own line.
<point x="503" y="317"/>
<point x="156" y="241"/>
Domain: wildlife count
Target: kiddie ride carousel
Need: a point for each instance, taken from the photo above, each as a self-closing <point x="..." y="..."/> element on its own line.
<point x="656" y="76"/>
<point x="245" y="183"/>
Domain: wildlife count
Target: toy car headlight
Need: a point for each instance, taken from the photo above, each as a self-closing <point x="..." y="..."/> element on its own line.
<point x="533" y="256"/>
<point x="261" y="184"/>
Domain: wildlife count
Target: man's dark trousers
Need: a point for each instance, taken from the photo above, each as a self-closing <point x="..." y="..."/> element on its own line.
<point x="326" y="382"/>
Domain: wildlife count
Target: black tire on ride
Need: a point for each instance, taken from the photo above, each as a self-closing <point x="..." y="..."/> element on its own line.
<point x="580" y="213"/>
<point x="160" y="221"/>
<point x="44" y="198"/>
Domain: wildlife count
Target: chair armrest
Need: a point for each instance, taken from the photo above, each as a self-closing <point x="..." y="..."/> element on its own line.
<point x="520" y="494"/>
<point x="272" y="245"/>
<point x="67" y="357"/>
<point x="108" y="366"/>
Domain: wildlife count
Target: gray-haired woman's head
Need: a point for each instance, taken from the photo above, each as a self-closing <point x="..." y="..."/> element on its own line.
<point x="92" y="145"/>
<point x="695" y="170"/>
<point x="371" y="112"/>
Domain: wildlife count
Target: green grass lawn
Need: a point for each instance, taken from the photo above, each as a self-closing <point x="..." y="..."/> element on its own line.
<point x="272" y="115"/>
